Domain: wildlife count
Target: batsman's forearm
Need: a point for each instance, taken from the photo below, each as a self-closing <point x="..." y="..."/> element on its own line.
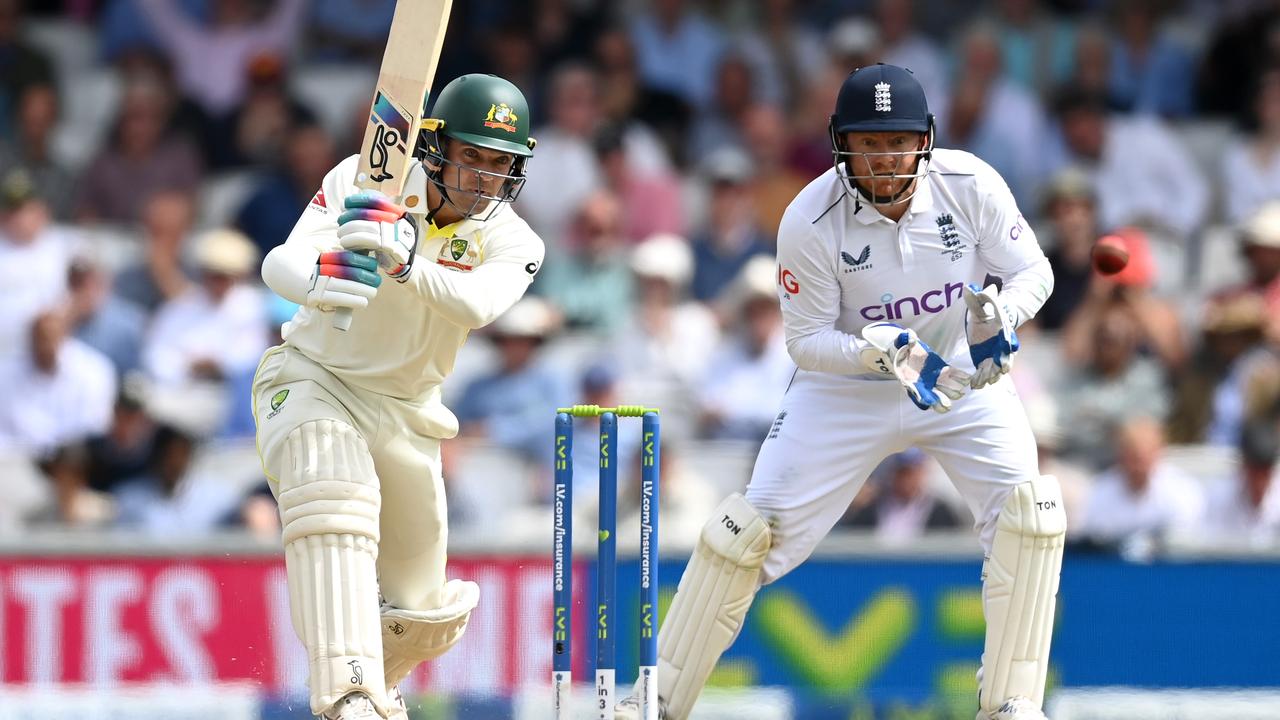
<point x="469" y="299"/>
<point x="287" y="270"/>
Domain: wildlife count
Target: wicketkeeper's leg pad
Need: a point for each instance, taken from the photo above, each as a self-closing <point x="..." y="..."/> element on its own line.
<point x="711" y="602"/>
<point x="410" y="637"/>
<point x="1020" y="587"/>
<point x="329" y="503"/>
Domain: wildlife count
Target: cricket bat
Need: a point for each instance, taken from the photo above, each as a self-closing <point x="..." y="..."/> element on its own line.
<point x="404" y="81"/>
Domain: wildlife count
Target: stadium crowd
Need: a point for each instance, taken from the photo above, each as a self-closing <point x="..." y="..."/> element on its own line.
<point x="152" y="151"/>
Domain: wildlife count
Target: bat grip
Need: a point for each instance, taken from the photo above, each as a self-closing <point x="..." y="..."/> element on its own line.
<point x="342" y="316"/>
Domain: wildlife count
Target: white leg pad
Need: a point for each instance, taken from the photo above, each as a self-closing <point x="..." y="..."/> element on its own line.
<point x="329" y="503"/>
<point x="1020" y="587"/>
<point x="711" y="602"/>
<point x="410" y="637"/>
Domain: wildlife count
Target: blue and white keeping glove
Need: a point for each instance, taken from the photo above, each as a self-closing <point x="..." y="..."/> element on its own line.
<point x="373" y="223"/>
<point x="989" y="327"/>
<point x="930" y="382"/>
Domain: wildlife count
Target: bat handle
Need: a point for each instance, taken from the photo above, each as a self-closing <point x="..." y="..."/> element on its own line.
<point x="342" y="319"/>
<point x="342" y="316"/>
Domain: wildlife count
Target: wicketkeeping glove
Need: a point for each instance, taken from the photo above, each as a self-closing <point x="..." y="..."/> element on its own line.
<point x="373" y="223"/>
<point x="930" y="382"/>
<point x="989" y="327"/>
<point x="343" y="279"/>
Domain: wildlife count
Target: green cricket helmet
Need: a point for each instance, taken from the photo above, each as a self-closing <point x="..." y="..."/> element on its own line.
<point x="488" y="112"/>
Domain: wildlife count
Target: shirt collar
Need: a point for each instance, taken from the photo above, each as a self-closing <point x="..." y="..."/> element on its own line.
<point x="867" y="214"/>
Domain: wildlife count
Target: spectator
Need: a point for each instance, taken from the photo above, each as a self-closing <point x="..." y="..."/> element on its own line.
<point x="566" y="171"/>
<point x="1090" y="71"/>
<point x="720" y="123"/>
<point x="1115" y="385"/>
<point x="1251" y="163"/>
<point x="350" y="30"/>
<point x="74" y="505"/>
<point x="677" y="50"/>
<point x="32" y="148"/>
<point x="161" y="275"/>
<point x="101" y="319"/>
<point x="1260" y="245"/>
<point x="1246" y="509"/>
<point x="141" y="158"/>
<point x="257" y="131"/>
<point x="795" y="51"/>
<point x="212" y="58"/>
<point x="651" y="201"/>
<point x="122" y="451"/>
<point x="775" y="184"/>
<point x="1068" y="231"/>
<point x="751" y="368"/>
<point x="34" y="258"/>
<point x="1149" y="67"/>
<point x="731" y="236"/>
<point x="170" y="501"/>
<point x="993" y="117"/>
<point x="591" y="282"/>
<point x="1035" y="45"/>
<point x="210" y="338"/>
<point x="904" y="508"/>
<point x="20" y="64"/>
<point x="61" y="389"/>
<point x="664" y="349"/>
<point x="1136" y="164"/>
<point x="1160" y="328"/>
<point x="626" y="101"/>
<point x="258" y="514"/>
<point x="903" y="45"/>
<point x="1214" y="392"/>
<point x="509" y="406"/>
<point x="271" y="210"/>
<point x="1237" y="52"/>
<point x="1143" y="498"/>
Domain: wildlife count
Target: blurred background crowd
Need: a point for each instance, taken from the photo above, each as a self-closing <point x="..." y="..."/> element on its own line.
<point x="151" y="151"/>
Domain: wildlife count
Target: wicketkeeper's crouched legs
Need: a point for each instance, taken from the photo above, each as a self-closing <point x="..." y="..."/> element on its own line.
<point x="711" y="602"/>
<point x="1019" y="592"/>
<point x="329" y="502"/>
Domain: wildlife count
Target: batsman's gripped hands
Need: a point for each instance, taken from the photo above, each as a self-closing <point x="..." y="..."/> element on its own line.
<point x="343" y="279"/>
<point x="989" y="327"/>
<point x="930" y="382"/>
<point x="372" y="223"/>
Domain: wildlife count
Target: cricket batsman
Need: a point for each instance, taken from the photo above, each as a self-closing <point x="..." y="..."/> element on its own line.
<point x="903" y="273"/>
<point x="350" y="423"/>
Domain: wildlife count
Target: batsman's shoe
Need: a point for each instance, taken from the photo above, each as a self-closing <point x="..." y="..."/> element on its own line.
<point x="396" y="707"/>
<point x="1015" y="708"/>
<point x="629" y="709"/>
<point x="352" y="706"/>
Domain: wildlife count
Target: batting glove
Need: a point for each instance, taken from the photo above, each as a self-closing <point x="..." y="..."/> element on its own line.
<point x="930" y="382"/>
<point x="343" y="279"/>
<point x="373" y="223"/>
<point x="989" y="327"/>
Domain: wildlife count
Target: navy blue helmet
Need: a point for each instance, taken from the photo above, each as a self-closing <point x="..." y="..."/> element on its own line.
<point x="881" y="98"/>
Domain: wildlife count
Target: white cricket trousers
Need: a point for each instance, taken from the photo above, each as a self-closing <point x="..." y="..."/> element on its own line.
<point x="832" y="431"/>
<point x="406" y="458"/>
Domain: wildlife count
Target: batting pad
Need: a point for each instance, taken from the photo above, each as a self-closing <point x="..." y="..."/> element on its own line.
<point x="329" y="504"/>
<point x="410" y="637"/>
<point x="711" y="602"/>
<point x="1020" y="585"/>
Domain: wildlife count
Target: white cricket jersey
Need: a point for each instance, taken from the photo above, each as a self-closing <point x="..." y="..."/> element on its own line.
<point x="843" y="265"/>
<point x="405" y="342"/>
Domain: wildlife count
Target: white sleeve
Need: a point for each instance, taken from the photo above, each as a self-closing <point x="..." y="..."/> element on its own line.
<point x="1008" y="247"/>
<point x="810" y="296"/>
<point x="475" y="299"/>
<point x="287" y="269"/>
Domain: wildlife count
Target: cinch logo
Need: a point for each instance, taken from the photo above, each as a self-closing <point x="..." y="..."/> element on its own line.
<point x="934" y="301"/>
